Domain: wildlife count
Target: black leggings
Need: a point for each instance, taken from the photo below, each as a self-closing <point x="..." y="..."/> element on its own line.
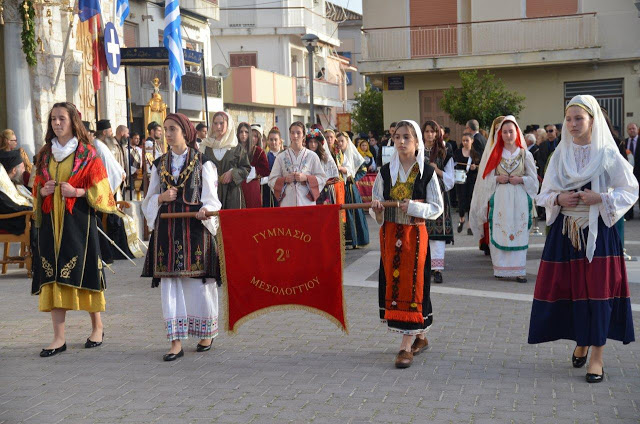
<point x="464" y="192"/>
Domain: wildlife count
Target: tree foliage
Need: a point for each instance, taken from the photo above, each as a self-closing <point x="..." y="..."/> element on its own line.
<point x="482" y="97"/>
<point x="367" y="111"/>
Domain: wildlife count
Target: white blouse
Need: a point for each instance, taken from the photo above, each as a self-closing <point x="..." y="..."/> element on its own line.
<point x="617" y="196"/>
<point x="209" y="196"/>
<point x="432" y="208"/>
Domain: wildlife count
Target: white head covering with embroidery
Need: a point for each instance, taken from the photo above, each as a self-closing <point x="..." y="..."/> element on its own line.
<point x="394" y="164"/>
<point x="353" y="160"/>
<point x="228" y="140"/>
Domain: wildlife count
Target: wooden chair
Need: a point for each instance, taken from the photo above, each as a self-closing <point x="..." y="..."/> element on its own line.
<point x="25" y="243"/>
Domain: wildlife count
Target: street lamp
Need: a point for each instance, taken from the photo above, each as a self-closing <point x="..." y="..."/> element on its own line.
<point x="310" y="41"/>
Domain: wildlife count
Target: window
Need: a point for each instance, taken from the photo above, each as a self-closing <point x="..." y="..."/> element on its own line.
<point x="130" y="34"/>
<point x="243" y="59"/>
<point x="543" y="8"/>
<point x="349" y="77"/>
<point x="348" y="55"/>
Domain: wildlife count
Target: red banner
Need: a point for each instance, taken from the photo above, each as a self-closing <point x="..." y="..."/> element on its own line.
<point x="282" y="258"/>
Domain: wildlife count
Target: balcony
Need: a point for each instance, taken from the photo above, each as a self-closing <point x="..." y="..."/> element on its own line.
<point x="293" y="21"/>
<point x="207" y="8"/>
<point x="256" y="87"/>
<point x="324" y="93"/>
<point x="514" y="42"/>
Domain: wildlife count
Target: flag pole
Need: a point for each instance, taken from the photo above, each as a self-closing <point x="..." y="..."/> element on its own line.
<point x="386" y="204"/>
<point x="66" y="45"/>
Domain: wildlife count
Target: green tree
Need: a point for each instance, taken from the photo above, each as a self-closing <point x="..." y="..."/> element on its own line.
<point x="367" y="111"/>
<point x="482" y="97"/>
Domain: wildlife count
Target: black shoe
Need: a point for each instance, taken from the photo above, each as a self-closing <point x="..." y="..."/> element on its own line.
<point x="90" y="343"/>
<point x="469" y="232"/>
<point x="594" y="378"/>
<point x="437" y="277"/>
<point x="201" y="348"/>
<point x="579" y="361"/>
<point x="45" y="353"/>
<point x="521" y="279"/>
<point x="173" y="356"/>
<point x="460" y="226"/>
<point x="498" y="277"/>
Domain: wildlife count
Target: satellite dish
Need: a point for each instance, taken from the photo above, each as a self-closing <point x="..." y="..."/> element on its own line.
<point x="220" y="71"/>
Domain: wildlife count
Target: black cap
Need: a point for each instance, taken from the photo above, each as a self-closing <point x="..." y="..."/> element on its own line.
<point x="200" y="126"/>
<point x="152" y="125"/>
<point x="86" y="125"/>
<point x="10" y="159"/>
<point x="103" y="124"/>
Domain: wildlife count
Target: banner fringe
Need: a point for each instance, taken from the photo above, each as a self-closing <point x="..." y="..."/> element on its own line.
<point x="223" y="274"/>
<point x="343" y="227"/>
<point x="284" y="308"/>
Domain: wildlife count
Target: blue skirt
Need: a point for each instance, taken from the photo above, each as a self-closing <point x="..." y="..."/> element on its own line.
<point x="575" y="299"/>
<point x="357" y="230"/>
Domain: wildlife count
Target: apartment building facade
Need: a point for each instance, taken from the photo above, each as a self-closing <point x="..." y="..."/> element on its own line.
<point x="547" y="50"/>
<point x="268" y="71"/>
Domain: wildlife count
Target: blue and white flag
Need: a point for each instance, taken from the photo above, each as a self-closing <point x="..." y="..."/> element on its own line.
<point x="88" y="9"/>
<point x="173" y="42"/>
<point x="122" y="11"/>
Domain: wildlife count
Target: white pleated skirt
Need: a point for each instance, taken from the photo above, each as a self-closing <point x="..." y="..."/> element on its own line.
<point x="189" y="308"/>
<point x="508" y="263"/>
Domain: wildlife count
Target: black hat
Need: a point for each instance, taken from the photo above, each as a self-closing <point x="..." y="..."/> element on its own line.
<point x="10" y="159"/>
<point x="200" y="126"/>
<point x="103" y="124"/>
<point x="86" y="125"/>
<point x="152" y="125"/>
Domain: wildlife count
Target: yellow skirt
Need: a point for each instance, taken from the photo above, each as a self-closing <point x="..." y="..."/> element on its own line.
<point x="58" y="296"/>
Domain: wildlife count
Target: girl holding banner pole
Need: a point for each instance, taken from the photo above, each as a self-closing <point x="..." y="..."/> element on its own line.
<point x="297" y="177"/>
<point x="405" y="265"/>
<point x="182" y="257"/>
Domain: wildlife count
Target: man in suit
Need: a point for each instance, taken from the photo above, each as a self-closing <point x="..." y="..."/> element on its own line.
<point x="547" y="147"/>
<point x="632" y="146"/>
<point x="452" y="145"/>
<point x="479" y="142"/>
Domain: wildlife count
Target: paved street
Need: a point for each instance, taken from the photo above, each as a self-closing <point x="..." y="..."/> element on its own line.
<point x="294" y="367"/>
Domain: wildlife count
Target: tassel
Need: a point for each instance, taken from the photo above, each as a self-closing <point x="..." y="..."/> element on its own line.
<point x="572" y="230"/>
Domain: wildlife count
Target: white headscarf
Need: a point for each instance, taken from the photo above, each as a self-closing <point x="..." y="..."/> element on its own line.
<point x="228" y="141"/>
<point x="352" y="158"/>
<point x="562" y="173"/>
<point x="394" y="164"/>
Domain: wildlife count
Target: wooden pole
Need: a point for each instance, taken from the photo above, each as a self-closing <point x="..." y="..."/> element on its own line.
<point x="386" y="204"/>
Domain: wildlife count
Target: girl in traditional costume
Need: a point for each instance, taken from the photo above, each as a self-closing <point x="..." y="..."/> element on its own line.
<point x="466" y="161"/>
<point x="274" y="146"/>
<point x="297" y="177"/>
<point x="441" y="229"/>
<point x="230" y="159"/>
<point x="70" y="186"/>
<point x="182" y="257"/>
<point x="404" y="287"/>
<point x="350" y="166"/>
<point x="317" y="144"/>
<point x="582" y="292"/>
<point x="252" y="187"/>
<point x="365" y="151"/>
<point x="509" y="183"/>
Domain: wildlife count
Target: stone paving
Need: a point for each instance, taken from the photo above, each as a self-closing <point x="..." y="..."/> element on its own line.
<point x="292" y="367"/>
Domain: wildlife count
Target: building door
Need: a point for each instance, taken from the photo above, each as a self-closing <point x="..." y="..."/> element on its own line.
<point x="609" y="94"/>
<point x="430" y="109"/>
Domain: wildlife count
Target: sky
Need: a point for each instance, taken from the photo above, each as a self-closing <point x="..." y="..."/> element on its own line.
<point x="355" y="5"/>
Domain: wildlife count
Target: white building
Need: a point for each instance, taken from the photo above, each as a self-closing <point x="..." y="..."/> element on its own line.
<point x="268" y="80"/>
<point x="144" y="28"/>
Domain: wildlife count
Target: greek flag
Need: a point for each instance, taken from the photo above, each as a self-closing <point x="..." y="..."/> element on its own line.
<point x="173" y="42"/>
<point x="122" y="11"/>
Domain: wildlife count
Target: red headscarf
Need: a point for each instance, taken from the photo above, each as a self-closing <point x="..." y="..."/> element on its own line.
<point x="186" y="125"/>
<point x="496" y="154"/>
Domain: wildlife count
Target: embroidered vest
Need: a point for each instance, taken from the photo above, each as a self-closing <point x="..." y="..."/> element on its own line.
<point x="417" y="191"/>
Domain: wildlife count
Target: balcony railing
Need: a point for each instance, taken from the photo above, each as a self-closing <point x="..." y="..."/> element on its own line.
<point x="481" y="38"/>
<point x="192" y="84"/>
<point x="276" y="17"/>
<point x="323" y="92"/>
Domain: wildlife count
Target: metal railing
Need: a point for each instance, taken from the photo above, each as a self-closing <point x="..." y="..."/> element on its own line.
<point x="275" y="17"/>
<point x="321" y="90"/>
<point x="192" y="84"/>
<point x="479" y="38"/>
